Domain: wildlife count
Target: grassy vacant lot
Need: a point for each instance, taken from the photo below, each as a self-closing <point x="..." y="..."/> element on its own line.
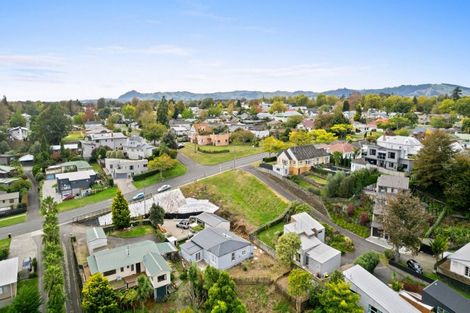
<point x="179" y="170"/>
<point x="74" y="136"/>
<point x="133" y="232"/>
<point x="241" y="195"/>
<point x="269" y="236"/>
<point x="12" y="220"/>
<point x="97" y="197"/>
<point x="236" y="152"/>
<point x="263" y="298"/>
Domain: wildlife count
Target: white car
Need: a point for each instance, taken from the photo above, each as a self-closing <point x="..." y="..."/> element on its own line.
<point x="163" y="188"/>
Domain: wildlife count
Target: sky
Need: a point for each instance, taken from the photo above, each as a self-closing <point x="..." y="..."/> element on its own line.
<point x="54" y="50"/>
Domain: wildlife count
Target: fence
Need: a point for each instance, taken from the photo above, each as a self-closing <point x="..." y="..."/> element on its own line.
<point x="411" y="272"/>
<point x="12" y="212"/>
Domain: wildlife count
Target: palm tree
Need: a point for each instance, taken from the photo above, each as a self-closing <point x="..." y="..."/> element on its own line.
<point x="438" y="246"/>
<point x="337" y="156"/>
<point x="144" y="289"/>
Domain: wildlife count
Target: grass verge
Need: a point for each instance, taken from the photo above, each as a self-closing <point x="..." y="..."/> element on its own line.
<point x="12" y="220"/>
<point x="178" y="170"/>
<point x="239" y="194"/>
<point x="97" y="197"/>
<point x="235" y="152"/>
<point x="137" y="231"/>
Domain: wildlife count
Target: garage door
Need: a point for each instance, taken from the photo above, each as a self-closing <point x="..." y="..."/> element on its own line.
<point x="120" y="176"/>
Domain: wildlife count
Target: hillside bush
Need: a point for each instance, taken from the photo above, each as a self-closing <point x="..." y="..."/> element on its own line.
<point x="368" y="261"/>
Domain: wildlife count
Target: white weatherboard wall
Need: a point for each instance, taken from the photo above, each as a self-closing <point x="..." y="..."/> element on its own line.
<point x="225" y="261"/>
<point x="458" y="267"/>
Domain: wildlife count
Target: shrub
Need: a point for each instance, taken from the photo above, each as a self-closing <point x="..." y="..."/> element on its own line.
<point x="363" y="218"/>
<point x="3" y="254"/>
<point x="212" y="151"/>
<point x="270" y="159"/>
<point x="396" y="284"/>
<point x="389" y="254"/>
<point x="368" y="261"/>
<point x="351" y="209"/>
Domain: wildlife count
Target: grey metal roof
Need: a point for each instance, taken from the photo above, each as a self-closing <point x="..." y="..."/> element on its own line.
<point x="155" y="264"/>
<point x="210" y="219"/>
<point x="218" y="241"/>
<point x="306" y="152"/>
<point x="190" y="247"/>
<point x="9" y="270"/>
<point x="95" y="233"/>
<point x="399" y="182"/>
<point x="447" y="296"/>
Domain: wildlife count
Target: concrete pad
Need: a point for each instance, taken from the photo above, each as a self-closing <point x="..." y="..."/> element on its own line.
<point x="23" y="247"/>
<point x="172" y="230"/>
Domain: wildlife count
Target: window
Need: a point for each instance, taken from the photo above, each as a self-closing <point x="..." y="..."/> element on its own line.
<point x="372" y="309"/>
<point x="161" y="278"/>
<point x="233" y="256"/>
<point x="467" y="271"/>
<point x="391" y="155"/>
<point x="243" y="252"/>
<point x="109" y="273"/>
<point x="122" y="269"/>
<point x="372" y="151"/>
<point x="198" y="256"/>
<point x="132" y="267"/>
<point x="441" y="310"/>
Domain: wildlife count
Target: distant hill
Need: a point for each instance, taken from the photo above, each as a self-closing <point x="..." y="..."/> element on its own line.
<point x="403" y="90"/>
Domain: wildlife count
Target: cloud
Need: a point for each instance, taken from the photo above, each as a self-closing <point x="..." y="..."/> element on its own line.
<point x="29" y="60"/>
<point x="163" y="49"/>
<point x="31" y="68"/>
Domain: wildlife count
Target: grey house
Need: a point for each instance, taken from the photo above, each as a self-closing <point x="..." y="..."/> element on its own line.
<point x="207" y="219"/>
<point x="444" y="299"/>
<point x="74" y="183"/>
<point x="218" y="247"/>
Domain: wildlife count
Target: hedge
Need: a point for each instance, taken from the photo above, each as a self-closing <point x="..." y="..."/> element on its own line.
<point x="213" y="151"/>
<point x="270" y="159"/>
<point x="145" y="175"/>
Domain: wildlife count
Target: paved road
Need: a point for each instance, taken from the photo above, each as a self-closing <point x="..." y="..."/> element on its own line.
<point x="195" y="172"/>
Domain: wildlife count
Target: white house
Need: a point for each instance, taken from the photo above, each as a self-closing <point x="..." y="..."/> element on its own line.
<point x="260" y="134"/>
<point x="123" y="168"/>
<point x="460" y="261"/>
<point x="314" y="254"/>
<point x="9" y="200"/>
<point x="406" y="144"/>
<point x="137" y="148"/>
<point x="95" y="239"/>
<point x="218" y="247"/>
<point x="111" y="140"/>
<point x="8" y="280"/>
<point x="463" y="139"/>
<point x="127" y="262"/>
<point x="375" y="295"/>
<point x="18" y="133"/>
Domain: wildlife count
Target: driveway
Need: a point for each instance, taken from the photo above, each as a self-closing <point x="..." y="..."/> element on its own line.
<point x="178" y="233"/>
<point x="23" y="247"/>
<point x="49" y="190"/>
<point x="125" y="185"/>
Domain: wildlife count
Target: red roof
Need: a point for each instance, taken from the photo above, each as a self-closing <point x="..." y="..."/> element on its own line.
<point x="342" y="147"/>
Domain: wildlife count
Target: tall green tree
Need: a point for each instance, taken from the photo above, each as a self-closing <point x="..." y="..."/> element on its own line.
<point x="337" y="297"/>
<point x="156" y="214"/>
<point x="299" y="282"/>
<point x="144" y="289"/>
<point x="287" y="247"/>
<point x="120" y="211"/>
<point x="98" y="296"/>
<point x="456" y="93"/>
<point x="222" y="296"/>
<point x="429" y="170"/>
<point x="438" y="246"/>
<point x="27" y="300"/>
<point x="405" y="221"/>
<point x="162" y="112"/>
<point x="4" y="111"/>
<point x="153" y="131"/>
<point x="457" y="183"/>
<point x="17" y="119"/>
<point x="51" y="125"/>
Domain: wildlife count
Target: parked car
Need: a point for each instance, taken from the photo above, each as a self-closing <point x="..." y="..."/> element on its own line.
<point x="139" y="196"/>
<point x="28" y="264"/>
<point x="180" y="145"/>
<point x="414" y="266"/>
<point x="163" y="188"/>
<point x="69" y="197"/>
<point x="184" y="224"/>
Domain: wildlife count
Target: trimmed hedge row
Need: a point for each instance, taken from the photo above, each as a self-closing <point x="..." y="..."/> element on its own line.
<point x="269" y="159"/>
<point x="145" y="175"/>
<point x="213" y="151"/>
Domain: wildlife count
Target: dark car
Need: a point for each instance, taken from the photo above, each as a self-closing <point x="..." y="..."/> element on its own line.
<point x="414" y="266"/>
<point x="184" y="224"/>
<point x="69" y="197"/>
<point x="28" y="264"/>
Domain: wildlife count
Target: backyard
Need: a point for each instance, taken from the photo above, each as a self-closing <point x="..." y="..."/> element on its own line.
<point x="133" y="232"/>
<point x="79" y="202"/>
<point x="240" y="195"/>
<point x="74" y="136"/>
<point x="207" y="158"/>
<point x="270" y="235"/>
<point x="33" y="282"/>
<point x="178" y="170"/>
<point x="12" y="220"/>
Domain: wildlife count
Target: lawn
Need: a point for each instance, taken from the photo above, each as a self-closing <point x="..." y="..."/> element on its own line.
<point x="240" y="195"/>
<point x="12" y="220"/>
<point x="317" y="179"/>
<point x="137" y="231"/>
<point x="235" y="152"/>
<point x="269" y="236"/>
<point x="179" y="170"/>
<point x="97" y="197"/>
<point x="74" y="136"/>
<point x="33" y="282"/>
<point x="5" y="244"/>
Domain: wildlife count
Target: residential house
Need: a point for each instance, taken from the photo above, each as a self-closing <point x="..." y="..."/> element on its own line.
<point x="18" y="133"/>
<point x="71" y="147"/>
<point x="463" y="139"/>
<point x="460" y="262"/>
<point x="375" y="296"/>
<point x="26" y="160"/>
<point x="9" y="200"/>
<point x="122" y="265"/>
<point x="180" y="131"/>
<point x="8" y="281"/>
<point x="96" y="239"/>
<point x="373" y="125"/>
<point x="359" y="164"/>
<point x="93" y="127"/>
<point x="123" y="168"/>
<point x="284" y="116"/>
<point x="212" y="139"/>
<point x="360" y="127"/>
<point x="207" y="219"/>
<point x="75" y="183"/>
<point x="314" y="254"/>
<point x="5" y="159"/>
<point x="444" y="299"/>
<point x="264" y="116"/>
<point x="7" y="171"/>
<point x="6" y="182"/>
<point x="346" y="149"/>
<point x="137" y="148"/>
<point x="113" y="141"/>
<point x="307" y="125"/>
<point x="218" y="247"/>
<point x="393" y="152"/>
<point x="66" y="167"/>
<point x="300" y="159"/>
<point x="387" y="186"/>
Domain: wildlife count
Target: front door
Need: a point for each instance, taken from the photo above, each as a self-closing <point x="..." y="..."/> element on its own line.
<point x="137" y="268"/>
